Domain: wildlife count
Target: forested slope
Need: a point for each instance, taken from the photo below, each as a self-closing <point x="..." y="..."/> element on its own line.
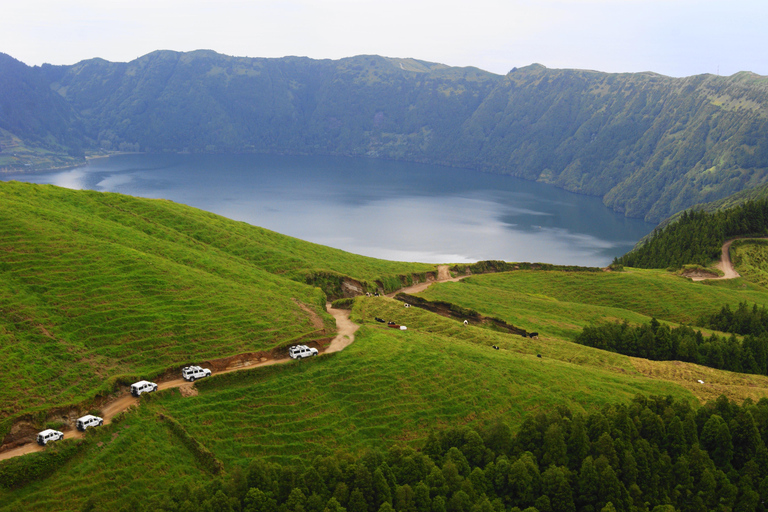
<point x="650" y="145"/>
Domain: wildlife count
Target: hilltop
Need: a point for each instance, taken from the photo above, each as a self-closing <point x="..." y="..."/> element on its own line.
<point x="649" y="145"/>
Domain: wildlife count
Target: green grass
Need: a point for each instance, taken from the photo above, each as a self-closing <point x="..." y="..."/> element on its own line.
<point x="750" y="258"/>
<point x="393" y="386"/>
<point x="94" y="286"/>
<point x="559" y="304"/>
<point x="136" y="460"/>
<point x="389" y="387"/>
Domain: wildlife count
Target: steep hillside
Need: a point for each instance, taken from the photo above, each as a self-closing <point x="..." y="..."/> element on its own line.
<point x="649" y="145"/>
<point x="99" y="288"/>
<point x="697" y="235"/>
<point x="390" y="389"/>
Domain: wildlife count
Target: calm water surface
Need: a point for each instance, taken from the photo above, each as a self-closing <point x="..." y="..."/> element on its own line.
<point x="391" y="210"/>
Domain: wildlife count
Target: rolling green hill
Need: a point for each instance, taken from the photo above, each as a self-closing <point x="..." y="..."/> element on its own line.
<point x="98" y="288"/>
<point x="649" y="145"/>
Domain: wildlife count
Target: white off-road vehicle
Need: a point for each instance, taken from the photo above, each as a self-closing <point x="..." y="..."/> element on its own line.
<point x="143" y="386"/>
<point x="301" y="351"/>
<point x="48" y="435"/>
<point x="89" y="420"/>
<point x="191" y="373"/>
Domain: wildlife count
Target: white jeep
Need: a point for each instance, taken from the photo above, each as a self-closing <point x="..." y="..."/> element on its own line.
<point x="143" y="386"/>
<point x="88" y="421"/>
<point x="301" y="351"/>
<point x="191" y="373"/>
<point x="49" y="435"/>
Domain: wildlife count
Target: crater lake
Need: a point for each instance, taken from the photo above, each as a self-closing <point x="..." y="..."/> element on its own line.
<point x="385" y="209"/>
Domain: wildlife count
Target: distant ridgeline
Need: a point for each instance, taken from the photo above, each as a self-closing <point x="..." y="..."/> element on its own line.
<point x="697" y="236"/>
<point x="649" y="145"/>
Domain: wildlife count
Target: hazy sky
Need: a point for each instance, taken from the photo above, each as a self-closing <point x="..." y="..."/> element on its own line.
<point x="673" y="37"/>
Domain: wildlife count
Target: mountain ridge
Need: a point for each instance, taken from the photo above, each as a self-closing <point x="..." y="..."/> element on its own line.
<point x="648" y="144"/>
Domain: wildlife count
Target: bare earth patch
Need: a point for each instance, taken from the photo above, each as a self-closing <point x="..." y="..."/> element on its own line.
<point x="188" y="390"/>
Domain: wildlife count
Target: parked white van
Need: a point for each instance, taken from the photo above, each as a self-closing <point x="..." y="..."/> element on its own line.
<point x="301" y="351"/>
<point x="143" y="386"/>
<point x="89" y="420"/>
<point x="191" y="373"/>
<point x="48" y="435"/>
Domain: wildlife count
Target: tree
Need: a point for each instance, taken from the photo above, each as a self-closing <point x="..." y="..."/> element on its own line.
<point x="381" y="491"/>
<point x="334" y="506"/>
<point x="554" y="484"/>
<point x="716" y="439"/>
<point x="257" y="501"/>
<point x="297" y="500"/>
<point x="357" y="502"/>
<point x="555" y="451"/>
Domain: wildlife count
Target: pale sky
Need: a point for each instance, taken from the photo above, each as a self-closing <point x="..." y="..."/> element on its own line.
<point x="672" y="37"/>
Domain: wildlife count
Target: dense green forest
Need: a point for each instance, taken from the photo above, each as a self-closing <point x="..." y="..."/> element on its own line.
<point x="659" y="342"/>
<point x="744" y="320"/>
<point x="650" y="145"/>
<point x="652" y="454"/>
<point x="697" y="236"/>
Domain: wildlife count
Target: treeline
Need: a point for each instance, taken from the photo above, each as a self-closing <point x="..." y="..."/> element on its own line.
<point x="662" y="343"/>
<point x="744" y="320"/>
<point x="651" y="455"/>
<point x="697" y="237"/>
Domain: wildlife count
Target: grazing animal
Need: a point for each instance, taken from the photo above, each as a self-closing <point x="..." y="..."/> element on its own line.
<point x="538" y="355"/>
<point x="407" y="305"/>
<point x="379" y="319"/>
<point x="495" y="347"/>
<point x="466" y="323"/>
<point x="534" y="335"/>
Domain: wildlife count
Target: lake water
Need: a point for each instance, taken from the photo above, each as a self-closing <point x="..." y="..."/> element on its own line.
<point x="391" y="210"/>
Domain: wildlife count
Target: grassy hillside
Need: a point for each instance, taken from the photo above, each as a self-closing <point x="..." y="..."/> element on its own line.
<point x="389" y="387"/>
<point x="97" y="287"/>
<point x="750" y="258"/>
<point x="559" y="304"/>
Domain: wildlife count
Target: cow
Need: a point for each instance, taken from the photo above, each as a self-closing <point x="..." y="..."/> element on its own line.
<point x="538" y="355"/>
<point x="379" y="319"/>
<point x="495" y="347"/>
<point x="466" y="323"/>
<point x="533" y="335"/>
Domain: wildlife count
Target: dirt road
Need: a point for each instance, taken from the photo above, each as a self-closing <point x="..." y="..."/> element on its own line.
<point x="725" y="262"/>
<point x="345" y="335"/>
<point x="724" y="265"/>
<point x="443" y="275"/>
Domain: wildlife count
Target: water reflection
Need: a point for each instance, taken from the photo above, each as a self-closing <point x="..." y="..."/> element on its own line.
<point x="391" y="210"/>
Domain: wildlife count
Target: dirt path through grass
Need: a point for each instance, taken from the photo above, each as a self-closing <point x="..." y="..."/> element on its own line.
<point x="725" y="262"/>
<point x="725" y="265"/>
<point x="345" y="335"/>
<point x="443" y="275"/>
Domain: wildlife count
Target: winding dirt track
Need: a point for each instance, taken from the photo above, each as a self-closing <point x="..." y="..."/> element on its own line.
<point x="725" y="265"/>
<point x="345" y="335"/>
